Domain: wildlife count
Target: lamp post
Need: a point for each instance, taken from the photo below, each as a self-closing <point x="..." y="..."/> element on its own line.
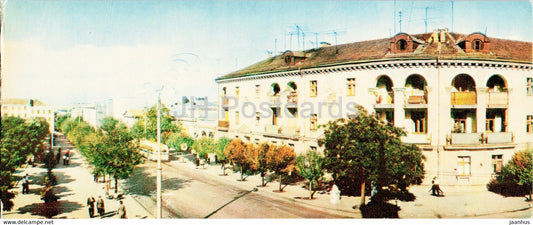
<point x="159" y="169"/>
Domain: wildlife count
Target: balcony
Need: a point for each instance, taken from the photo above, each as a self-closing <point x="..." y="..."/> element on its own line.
<point x="292" y="98"/>
<point x="416" y="100"/>
<point x="384" y="99"/>
<point x="498" y="137"/>
<point x="498" y="99"/>
<point x="272" y="129"/>
<point x="464" y="138"/>
<point x="223" y="125"/>
<point x="290" y="130"/>
<point x="274" y="100"/>
<point x="464" y="99"/>
<point x="417" y="139"/>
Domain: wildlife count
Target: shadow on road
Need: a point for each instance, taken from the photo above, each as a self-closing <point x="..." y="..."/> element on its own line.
<point x="143" y="182"/>
<point x="50" y="210"/>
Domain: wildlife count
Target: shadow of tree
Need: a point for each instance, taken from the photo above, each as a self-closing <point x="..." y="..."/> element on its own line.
<point x="62" y="177"/>
<point x="49" y="210"/>
<point x="142" y="182"/>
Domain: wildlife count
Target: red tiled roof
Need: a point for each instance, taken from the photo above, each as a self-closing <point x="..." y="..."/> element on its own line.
<point x="501" y="49"/>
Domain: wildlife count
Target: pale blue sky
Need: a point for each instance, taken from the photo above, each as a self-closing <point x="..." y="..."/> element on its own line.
<point x="84" y="51"/>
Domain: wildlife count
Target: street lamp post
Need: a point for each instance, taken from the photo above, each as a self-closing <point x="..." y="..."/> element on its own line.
<point x="159" y="169"/>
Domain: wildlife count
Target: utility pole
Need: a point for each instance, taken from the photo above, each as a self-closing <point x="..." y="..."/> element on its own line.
<point x="400" y="21"/>
<point x="159" y="169"/>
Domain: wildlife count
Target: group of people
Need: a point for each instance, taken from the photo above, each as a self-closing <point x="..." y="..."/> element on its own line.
<point x="435" y="187"/>
<point x="101" y="208"/>
<point x="26" y="184"/>
<point x="66" y="157"/>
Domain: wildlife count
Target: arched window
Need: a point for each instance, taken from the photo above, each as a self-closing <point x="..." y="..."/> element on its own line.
<point x="275" y="88"/>
<point x="401" y="45"/>
<point x="477" y="44"/>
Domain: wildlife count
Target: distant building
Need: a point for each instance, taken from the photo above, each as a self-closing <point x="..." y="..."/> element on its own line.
<point x="465" y="100"/>
<point x="28" y="108"/>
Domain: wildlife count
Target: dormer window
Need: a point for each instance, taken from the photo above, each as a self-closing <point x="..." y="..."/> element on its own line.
<point x="401" y="45"/>
<point x="477" y="45"/>
<point x="288" y="59"/>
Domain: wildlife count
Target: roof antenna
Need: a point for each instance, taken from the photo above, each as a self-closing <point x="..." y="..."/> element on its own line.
<point x="485" y="31"/>
<point x="452" y="16"/>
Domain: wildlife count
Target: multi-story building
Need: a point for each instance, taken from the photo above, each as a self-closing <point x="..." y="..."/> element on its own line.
<point x="28" y="108"/>
<point x="465" y="100"/>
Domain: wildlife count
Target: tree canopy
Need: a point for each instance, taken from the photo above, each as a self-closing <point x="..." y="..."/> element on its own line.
<point x="19" y="139"/>
<point x="365" y="149"/>
<point x="147" y="126"/>
<point x="309" y="166"/>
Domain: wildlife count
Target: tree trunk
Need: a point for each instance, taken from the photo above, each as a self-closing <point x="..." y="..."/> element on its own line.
<point x="263" y="179"/>
<point x="280" y="182"/>
<point x="116" y="185"/>
<point x="362" y="194"/>
<point x="242" y="179"/>
<point x="310" y="189"/>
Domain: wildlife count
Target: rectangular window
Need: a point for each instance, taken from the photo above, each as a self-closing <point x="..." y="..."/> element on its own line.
<point x="460" y="126"/>
<point x="419" y="122"/>
<point x="5" y="114"/>
<point x="291" y="145"/>
<point x="25" y="107"/>
<point x="529" y="124"/>
<point x="497" y="163"/>
<point x="237" y="91"/>
<point x="237" y="117"/>
<point x="350" y="83"/>
<point x="275" y="114"/>
<point x="489" y="126"/>
<point x="314" y="122"/>
<point x="226" y="115"/>
<point x="463" y="166"/>
<point x="5" y="108"/>
<point x="257" y="90"/>
<point x="257" y="118"/>
<point x="313" y="88"/>
<point x="529" y="87"/>
<point x="313" y="148"/>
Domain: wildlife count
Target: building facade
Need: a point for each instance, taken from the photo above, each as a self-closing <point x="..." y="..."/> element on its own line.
<point x="28" y="108"/>
<point x="465" y="100"/>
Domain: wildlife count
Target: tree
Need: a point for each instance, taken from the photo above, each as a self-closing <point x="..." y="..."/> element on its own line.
<point x="204" y="146"/>
<point x="281" y="161"/>
<point x="59" y="121"/>
<point x="116" y="153"/>
<point x="516" y="177"/>
<point x="19" y="139"/>
<point x="241" y="155"/>
<point x="365" y="149"/>
<point x="219" y="151"/>
<point x="309" y="166"/>
<point x="168" y="126"/>
<point x="260" y="159"/>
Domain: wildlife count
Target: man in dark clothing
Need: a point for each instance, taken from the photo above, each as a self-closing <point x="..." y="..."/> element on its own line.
<point x="100" y="206"/>
<point x="90" y="204"/>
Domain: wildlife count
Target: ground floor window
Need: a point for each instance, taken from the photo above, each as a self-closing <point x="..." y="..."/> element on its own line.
<point x="463" y="166"/>
<point x="529" y="124"/>
<point x="497" y="163"/>
<point x="419" y="121"/>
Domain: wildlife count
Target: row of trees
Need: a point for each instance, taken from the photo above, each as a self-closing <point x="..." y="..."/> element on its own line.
<point x="20" y="139"/>
<point x="110" y="149"/>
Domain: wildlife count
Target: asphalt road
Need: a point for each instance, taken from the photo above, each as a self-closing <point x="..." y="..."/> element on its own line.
<point x="191" y="194"/>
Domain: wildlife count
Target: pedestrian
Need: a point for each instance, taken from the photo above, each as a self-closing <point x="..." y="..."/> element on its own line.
<point x="24" y="181"/>
<point x="68" y="159"/>
<point x="90" y="204"/>
<point x="58" y="156"/>
<point x="95" y="177"/>
<point x="100" y="206"/>
<point x="68" y="152"/>
<point x="64" y="159"/>
<point x="26" y="184"/>
<point x="435" y="187"/>
<point x="122" y="210"/>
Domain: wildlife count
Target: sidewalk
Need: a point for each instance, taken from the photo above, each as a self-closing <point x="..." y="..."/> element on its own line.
<point x="459" y="202"/>
<point x="75" y="185"/>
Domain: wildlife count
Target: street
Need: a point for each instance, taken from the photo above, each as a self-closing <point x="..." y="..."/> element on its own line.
<point x="192" y="194"/>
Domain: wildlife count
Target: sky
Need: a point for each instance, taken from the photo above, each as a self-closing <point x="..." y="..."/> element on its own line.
<point x="65" y="52"/>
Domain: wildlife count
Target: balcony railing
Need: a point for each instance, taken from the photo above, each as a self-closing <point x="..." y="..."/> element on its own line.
<point x="292" y="97"/>
<point x="225" y="101"/>
<point x="223" y="125"/>
<point x="290" y="130"/>
<point x="274" y="100"/>
<point x="272" y="129"/>
<point x="464" y="98"/>
<point x="417" y="139"/>
<point x="385" y="97"/>
<point x="464" y="138"/>
<point x="498" y="99"/>
<point x="498" y="137"/>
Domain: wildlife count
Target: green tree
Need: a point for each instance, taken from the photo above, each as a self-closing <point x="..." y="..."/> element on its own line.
<point x="219" y="150"/>
<point x="116" y="154"/>
<point x="168" y="126"/>
<point x="366" y="149"/>
<point x="59" y="121"/>
<point x="516" y="177"/>
<point x="19" y="139"/>
<point x="204" y="146"/>
<point x="309" y="166"/>
<point x="281" y="161"/>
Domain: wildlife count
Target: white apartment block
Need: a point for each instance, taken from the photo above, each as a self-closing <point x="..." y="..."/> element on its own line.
<point x="465" y="100"/>
<point x="28" y="108"/>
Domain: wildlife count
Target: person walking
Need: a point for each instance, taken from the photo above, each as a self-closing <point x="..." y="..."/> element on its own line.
<point x="90" y="204"/>
<point x="24" y="183"/>
<point x="435" y="187"/>
<point x="100" y="206"/>
<point x="122" y="210"/>
<point x="27" y="184"/>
